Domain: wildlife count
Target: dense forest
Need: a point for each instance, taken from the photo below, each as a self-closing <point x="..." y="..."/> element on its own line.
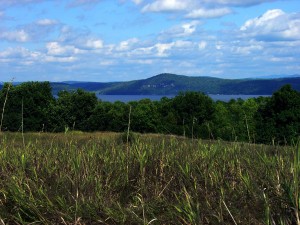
<point x="31" y="106"/>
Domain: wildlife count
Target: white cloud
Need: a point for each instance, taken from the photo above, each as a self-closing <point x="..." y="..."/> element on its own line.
<point x="68" y="59"/>
<point x="46" y="22"/>
<point x="55" y="49"/>
<point x="237" y="2"/>
<point x="263" y="20"/>
<point x="182" y="30"/>
<point x="18" y="36"/>
<point x="127" y="45"/>
<point x="275" y="24"/>
<point x="162" y="48"/>
<point x="247" y="50"/>
<point x="198" y="8"/>
<point x="202" y="45"/>
<point x="166" y="5"/>
<point x="208" y="13"/>
<point x="94" y="43"/>
<point x="182" y="44"/>
<point x="137" y="1"/>
<point x="189" y="28"/>
<point x="20" y="55"/>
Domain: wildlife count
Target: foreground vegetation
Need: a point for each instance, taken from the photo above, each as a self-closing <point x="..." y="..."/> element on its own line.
<point x="107" y="178"/>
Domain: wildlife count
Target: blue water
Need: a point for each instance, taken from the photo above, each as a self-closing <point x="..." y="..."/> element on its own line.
<point x="128" y="98"/>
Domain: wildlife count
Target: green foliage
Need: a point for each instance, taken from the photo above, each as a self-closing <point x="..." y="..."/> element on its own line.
<point x="190" y="114"/>
<point x="145" y="117"/>
<point x="278" y="119"/>
<point x="192" y="109"/>
<point x="75" y="108"/>
<point x="34" y="100"/>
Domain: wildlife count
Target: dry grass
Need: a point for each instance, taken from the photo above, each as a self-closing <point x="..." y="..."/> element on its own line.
<point x="82" y="178"/>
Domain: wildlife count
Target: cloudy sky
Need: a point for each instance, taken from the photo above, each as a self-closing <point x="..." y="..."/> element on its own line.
<point x="118" y="40"/>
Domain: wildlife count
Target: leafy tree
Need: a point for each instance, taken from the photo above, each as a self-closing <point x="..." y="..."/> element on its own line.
<point x="193" y="109"/>
<point x="167" y="117"/>
<point x="145" y="116"/>
<point x="75" y="108"/>
<point x="29" y="102"/>
<point x="117" y="116"/>
<point x="278" y="119"/>
<point x="222" y="123"/>
<point x="12" y="110"/>
<point x="99" y="120"/>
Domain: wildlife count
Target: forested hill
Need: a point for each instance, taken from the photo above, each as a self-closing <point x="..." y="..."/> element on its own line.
<point x="171" y="84"/>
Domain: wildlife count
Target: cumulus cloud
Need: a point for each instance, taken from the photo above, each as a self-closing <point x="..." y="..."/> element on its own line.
<point x="182" y="30"/>
<point x="20" y="55"/>
<point x="127" y="45"/>
<point x="93" y="43"/>
<point x="208" y="13"/>
<point x="237" y="2"/>
<point x="166" y="5"/>
<point x="248" y="49"/>
<point x="162" y="49"/>
<point x="15" y="36"/>
<point x="67" y="59"/>
<point x="198" y="8"/>
<point x="273" y="25"/>
<point x="56" y="49"/>
<point x="202" y="45"/>
<point x="18" y="52"/>
<point x="76" y="49"/>
<point x="46" y="22"/>
<point x="137" y="1"/>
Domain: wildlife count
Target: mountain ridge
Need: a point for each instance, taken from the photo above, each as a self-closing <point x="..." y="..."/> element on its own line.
<point x="172" y="84"/>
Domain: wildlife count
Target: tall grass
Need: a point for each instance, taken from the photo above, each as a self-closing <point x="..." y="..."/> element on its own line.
<point x="81" y="178"/>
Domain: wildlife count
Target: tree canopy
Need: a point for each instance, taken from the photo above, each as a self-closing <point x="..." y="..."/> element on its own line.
<point x="31" y="106"/>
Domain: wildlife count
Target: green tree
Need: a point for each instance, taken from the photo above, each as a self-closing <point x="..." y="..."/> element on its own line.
<point x="194" y="110"/>
<point x="75" y="108"/>
<point x="99" y="120"/>
<point x="29" y="102"/>
<point x="117" y="116"/>
<point x="278" y="119"/>
<point x="145" y="116"/>
<point x="222" y="127"/>
<point x="167" y="117"/>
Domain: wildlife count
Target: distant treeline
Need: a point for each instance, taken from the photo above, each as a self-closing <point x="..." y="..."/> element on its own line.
<point x="31" y="106"/>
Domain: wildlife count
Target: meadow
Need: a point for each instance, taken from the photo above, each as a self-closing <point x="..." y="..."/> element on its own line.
<point x="109" y="178"/>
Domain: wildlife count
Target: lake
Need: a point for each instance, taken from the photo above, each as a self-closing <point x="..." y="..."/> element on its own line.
<point x="128" y="98"/>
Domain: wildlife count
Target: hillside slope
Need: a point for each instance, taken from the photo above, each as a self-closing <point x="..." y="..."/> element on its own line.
<point x="170" y="84"/>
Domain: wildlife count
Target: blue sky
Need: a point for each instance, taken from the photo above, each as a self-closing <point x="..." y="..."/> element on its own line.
<point x="119" y="40"/>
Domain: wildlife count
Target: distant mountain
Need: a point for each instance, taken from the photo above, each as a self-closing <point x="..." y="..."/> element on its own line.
<point x="74" y="85"/>
<point x="171" y="84"/>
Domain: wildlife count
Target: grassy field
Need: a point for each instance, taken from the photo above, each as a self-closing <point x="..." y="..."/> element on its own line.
<point x="97" y="178"/>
